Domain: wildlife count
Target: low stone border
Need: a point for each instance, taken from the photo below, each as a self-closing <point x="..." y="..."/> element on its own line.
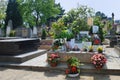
<point x="83" y="57"/>
<point x="117" y="49"/>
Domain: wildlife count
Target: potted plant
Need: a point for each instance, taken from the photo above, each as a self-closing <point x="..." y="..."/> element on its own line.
<point x="73" y="67"/>
<point x="56" y="45"/>
<point x="73" y="61"/>
<point x="91" y="49"/>
<point x="53" y="59"/>
<point x="98" y="60"/>
<point x="100" y="49"/>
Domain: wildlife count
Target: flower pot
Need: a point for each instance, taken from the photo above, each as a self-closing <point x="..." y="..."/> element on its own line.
<point x="100" y="51"/>
<point x="69" y="66"/>
<point x="98" y="67"/>
<point x="73" y="75"/>
<point x="53" y="64"/>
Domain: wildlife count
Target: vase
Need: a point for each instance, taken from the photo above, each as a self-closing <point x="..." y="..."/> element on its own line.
<point x="53" y="64"/>
<point x="73" y="75"/>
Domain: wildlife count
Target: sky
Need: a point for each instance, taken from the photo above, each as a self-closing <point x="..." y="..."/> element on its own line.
<point x="106" y="6"/>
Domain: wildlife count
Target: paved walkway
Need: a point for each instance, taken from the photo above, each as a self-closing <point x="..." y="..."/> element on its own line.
<point x="13" y="74"/>
<point x="113" y="59"/>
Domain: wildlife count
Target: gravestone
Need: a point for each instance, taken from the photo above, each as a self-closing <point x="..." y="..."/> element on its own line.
<point x="95" y="29"/>
<point x="1" y="33"/>
<point x="23" y="32"/>
<point x="9" y="28"/>
<point x="34" y="31"/>
<point x="18" y="46"/>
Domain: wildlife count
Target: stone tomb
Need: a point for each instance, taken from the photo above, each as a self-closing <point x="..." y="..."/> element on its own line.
<point x="18" y="50"/>
<point x="18" y="46"/>
<point x="82" y="56"/>
<point x="23" y="32"/>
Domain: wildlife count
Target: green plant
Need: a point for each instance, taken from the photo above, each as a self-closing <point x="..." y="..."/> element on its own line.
<point x="73" y="67"/>
<point x="12" y="33"/>
<point x="44" y="34"/>
<point x="73" y="61"/>
<point x="91" y="49"/>
<point x="100" y="49"/>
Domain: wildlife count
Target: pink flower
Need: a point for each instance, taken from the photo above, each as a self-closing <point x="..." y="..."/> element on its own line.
<point x="98" y="60"/>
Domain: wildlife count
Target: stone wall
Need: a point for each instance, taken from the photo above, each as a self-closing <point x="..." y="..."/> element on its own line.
<point x="83" y="57"/>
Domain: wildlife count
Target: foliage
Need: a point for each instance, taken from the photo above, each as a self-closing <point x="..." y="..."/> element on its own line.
<point x="76" y="19"/>
<point x="91" y="49"/>
<point x="98" y="60"/>
<point x="73" y="61"/>
<point x="58" y="16"/>
<point x="101" y="15"/>
<point x="100" y="49"/>
<point x="38" y="10"/>
<point x="56" y="44"/>
<point x="101" y="34"/>
<point x="61" y="31"/>
<point x="2" y="13"/>
<point x="12" y="13"/>
<point x="12" y="33"/>
<point x="74" y="64"/>
<point x="54" y="58"/>
<point x="65" y="34"/>
<point x="58" y="26"/>
<point x="44" y="34"/>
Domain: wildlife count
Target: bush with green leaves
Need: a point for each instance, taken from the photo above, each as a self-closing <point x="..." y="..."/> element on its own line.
<point x="44" y="34"/>
<point x="73" y="61"/>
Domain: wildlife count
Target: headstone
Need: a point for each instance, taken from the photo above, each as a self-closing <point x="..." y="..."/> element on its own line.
<point x="1" y="33"/>
<point x="95" y="29"/>
<point x="23" y="32"/>
<point x="9" y="28"/>
<point x="34" y="31"/>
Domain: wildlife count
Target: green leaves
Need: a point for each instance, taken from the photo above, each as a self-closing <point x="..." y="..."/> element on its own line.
<point x="40" y="10"/>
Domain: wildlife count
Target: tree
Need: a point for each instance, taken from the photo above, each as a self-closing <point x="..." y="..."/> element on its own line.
<point x="12" y="13"/>
<point x="76" y="19"/>
<point x="37" y="11"/>
<point x="98" y="21"/>
<point x="101" y="34"/>
<point x="101" y="15"/>
<point x="2" y="12"/>
<point x="59" y="15"/>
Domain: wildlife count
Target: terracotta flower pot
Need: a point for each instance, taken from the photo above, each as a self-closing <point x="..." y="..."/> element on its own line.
<point x="53" y="64"/>
<point x="99" y="67"/>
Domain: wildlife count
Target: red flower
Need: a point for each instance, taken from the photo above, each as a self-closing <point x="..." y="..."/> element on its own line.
<point x="96" y="41"/>
<point x="73" y="69"/>
<point x="67" y="71"/>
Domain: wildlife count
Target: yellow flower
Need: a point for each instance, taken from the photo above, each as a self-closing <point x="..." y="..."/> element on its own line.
<point x="100" y="49"/>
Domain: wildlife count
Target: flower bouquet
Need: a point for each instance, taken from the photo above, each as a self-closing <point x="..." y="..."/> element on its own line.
<point x="53" y="59"/>
<point x="73" y="67"/>
<point x="98" y="60"/>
